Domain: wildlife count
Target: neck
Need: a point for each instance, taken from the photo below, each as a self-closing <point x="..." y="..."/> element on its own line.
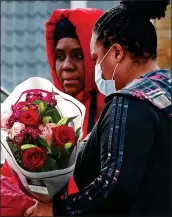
<point x="136" y="70"/>
<point x="141" y="69"/>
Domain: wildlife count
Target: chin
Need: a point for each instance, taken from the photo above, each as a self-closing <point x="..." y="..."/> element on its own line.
<point x="71" y="92"/>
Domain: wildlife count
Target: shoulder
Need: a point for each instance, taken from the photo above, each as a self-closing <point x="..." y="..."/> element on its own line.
<point x="136" y="110"/>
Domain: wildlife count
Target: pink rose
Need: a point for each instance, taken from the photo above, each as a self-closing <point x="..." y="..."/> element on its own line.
<point x="46" y="132"/>
<point x="16" y="129"/>
<point x="4" y="119"/>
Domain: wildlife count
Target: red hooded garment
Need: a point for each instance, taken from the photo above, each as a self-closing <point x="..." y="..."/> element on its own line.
<point x="83" y="20"/>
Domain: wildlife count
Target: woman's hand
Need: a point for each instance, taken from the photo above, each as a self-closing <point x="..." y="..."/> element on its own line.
<point x="40" y="209"/>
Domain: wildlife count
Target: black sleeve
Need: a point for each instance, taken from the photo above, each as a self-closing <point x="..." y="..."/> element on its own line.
<point x="126" y="139"/>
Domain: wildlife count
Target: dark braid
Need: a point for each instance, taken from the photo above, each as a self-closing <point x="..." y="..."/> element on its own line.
<point x="133" y="30"/>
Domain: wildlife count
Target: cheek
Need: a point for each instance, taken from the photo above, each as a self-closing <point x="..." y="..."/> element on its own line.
<point x="108" y="69"/>
<point x="81" y="71"/>
<point x="58" y="70"/>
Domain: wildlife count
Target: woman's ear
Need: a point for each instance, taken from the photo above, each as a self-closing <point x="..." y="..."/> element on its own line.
<point x="119" y="52"/>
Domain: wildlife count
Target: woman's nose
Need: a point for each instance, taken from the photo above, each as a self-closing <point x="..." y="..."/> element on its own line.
<point x="68" y="65"/>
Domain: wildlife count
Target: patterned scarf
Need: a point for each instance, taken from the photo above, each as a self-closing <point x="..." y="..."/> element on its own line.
<point x="154" y="87"/>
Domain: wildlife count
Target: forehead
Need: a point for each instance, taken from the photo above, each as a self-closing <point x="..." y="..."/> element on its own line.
<point x="93" y="42"/>
<point x="68" y="43"/>
<point x="95" y="46"/>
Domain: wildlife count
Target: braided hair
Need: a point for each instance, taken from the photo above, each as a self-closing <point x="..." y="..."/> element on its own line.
<point x="129" y="25"/>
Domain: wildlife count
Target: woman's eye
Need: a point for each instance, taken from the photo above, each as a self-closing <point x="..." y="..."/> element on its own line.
<point x="60" y="57"/>
<point x="79" y="56"/>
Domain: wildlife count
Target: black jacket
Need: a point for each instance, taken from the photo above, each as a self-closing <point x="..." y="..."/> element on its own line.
<point x="135" y="179"/>
<point x="125" y="166"/>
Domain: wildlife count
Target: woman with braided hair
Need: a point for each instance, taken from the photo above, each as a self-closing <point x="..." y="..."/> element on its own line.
<point x="125" y="166"/>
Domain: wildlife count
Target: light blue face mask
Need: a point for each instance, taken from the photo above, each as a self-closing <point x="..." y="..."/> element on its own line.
<point x="106" y="87"/>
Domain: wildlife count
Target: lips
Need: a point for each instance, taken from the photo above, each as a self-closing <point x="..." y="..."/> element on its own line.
<point x="71" y="81"/>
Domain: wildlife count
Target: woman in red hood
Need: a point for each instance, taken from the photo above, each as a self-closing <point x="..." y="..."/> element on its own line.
<point x="68" y="35"/>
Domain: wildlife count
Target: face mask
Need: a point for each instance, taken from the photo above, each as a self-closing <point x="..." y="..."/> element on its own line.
<point x="106" y="87"/>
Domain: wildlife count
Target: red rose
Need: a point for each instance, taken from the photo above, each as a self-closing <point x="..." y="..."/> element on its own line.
<point x="62" y="135"/>
<point x="30" y="117"/>
<point x="33" y="158"/>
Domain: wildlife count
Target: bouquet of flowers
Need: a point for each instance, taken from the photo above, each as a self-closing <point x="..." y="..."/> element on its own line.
<point x="41" y="132"/>
<point x="38" y="136"/>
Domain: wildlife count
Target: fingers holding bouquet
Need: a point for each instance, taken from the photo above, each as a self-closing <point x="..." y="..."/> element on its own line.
<point x="39" y="209"/>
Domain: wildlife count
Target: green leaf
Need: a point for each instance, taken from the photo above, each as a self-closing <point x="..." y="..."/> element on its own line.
<point x="27" y="146"/>
<point x="50" y="107"/>
<point x="50" y="164"/>
<point x="54" y="114"/>
<point x="78" y="131"/>
<point x="63" y="121"/>
<point x="68" y="145"/>
<point x="41" y="142"/>
<point x="37" y="102"/>
<point x="54" y="150"/>
<point x="70" y="119"/>
<point x="62" y="158"/>
<point x="41" y="107"/>
<point x="46" y="119"/>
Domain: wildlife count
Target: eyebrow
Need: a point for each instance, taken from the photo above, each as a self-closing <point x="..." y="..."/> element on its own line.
<point x="77" y="49"/>
<point x="74" y="49"/>
<point x="59" y="51"/>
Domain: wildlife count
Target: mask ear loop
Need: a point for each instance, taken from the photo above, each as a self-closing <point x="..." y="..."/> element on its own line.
<point x="115" y="70"/>
<point x="106" y="54"/>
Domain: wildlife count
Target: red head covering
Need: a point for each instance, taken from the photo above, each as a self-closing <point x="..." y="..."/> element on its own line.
<point x="83" y="20"/>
